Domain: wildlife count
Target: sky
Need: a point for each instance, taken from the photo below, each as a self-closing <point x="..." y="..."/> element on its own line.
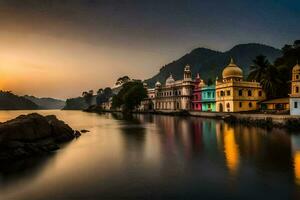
<point x="59" y="48"/>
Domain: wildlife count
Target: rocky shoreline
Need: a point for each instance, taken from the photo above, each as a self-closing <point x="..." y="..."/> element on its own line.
<point x="33" y="134"/>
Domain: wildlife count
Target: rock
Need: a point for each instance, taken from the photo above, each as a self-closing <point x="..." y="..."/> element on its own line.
<point x="32" y="134"/>
<point x="61" y="132"/>
<point x="77" y="134"/>
<point x="84" y="131"/>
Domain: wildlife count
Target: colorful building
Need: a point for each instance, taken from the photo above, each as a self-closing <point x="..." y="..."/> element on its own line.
<point x="174" y="95"/>
<point x="208" y="100"/>
<point x="295" y="91"/>
<point x="196" y="98"/>
<point x="233" y="94"/>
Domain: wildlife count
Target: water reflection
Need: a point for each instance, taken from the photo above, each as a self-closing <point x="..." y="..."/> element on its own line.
<point x="163" y="157"/>
<point x="231" y="150"/>
<point x="296" y="157"/>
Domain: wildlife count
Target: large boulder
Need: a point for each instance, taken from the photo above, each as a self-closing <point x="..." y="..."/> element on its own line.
<point x="32" y="134"/>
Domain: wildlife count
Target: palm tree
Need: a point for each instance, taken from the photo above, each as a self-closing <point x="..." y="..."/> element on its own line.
<point x="258" y="70"/>
<point x="271" y="82"/>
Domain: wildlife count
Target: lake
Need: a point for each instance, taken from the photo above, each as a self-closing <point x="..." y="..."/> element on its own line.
<point x="158" y="157"/>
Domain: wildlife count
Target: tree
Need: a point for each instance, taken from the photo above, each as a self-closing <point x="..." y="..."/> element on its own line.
<point x="88" y="97"/>
<point x="104" y="95"/>
<point x="99" y="91"/>
<point x="130" y="96"/>
<point x="122" y="80"/>
<point x="259" y="69"/>
<point x="268" y="75"/>
<point x="270" y="82"/>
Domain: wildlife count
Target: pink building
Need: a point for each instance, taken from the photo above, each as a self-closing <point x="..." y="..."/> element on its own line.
<point x="196" y="98"/>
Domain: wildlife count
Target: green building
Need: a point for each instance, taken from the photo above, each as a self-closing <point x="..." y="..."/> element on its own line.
<point x="208" y="98"/>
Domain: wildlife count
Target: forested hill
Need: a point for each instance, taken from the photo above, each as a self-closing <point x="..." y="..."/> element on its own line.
<point x="10" y="101"/>
<point x="46" y="103"/>
<point x="210" y="63"/>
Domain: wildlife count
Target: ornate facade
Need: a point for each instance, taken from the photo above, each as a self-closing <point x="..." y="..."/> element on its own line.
<point x="295" y="91"/>
<point x="174" y="95"/>
<point x="233" y="94"/>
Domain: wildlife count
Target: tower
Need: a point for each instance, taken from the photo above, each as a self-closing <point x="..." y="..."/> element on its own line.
<point x="187" y="74"/>
<point x="295" y="91"/>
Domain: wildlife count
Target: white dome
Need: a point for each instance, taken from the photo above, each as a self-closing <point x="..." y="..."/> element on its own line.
<point x="157" y="84"/>
<point x="170" y="80"/>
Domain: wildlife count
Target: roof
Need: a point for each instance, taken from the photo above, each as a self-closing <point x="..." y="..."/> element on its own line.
<point x="279" y="100"/>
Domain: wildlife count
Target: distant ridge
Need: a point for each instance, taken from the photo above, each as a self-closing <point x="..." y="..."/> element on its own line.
<point x="10" y="101"/>
<point x="209" y="63"/>
<point x="46" y="103"/>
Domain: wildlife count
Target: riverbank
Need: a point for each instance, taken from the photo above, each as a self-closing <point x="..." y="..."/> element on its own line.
<point x="292" y="123"/>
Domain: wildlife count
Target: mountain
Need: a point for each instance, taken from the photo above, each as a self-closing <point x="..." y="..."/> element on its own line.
<point x="209" y="63"/>
<point x="76" y="104"/>
<point x="47" y="103"/>
<point x="10" y="101"/>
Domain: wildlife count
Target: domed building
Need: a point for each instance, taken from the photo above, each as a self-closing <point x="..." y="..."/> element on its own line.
<point x="173" y="95"/>
<point x="295" y="91"/>
<point x="233" y="94"/>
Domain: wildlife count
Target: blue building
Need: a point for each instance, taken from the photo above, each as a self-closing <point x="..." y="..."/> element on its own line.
<point x="208" y="98"/>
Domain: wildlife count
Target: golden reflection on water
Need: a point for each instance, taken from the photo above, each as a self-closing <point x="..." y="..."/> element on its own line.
<point x="297" y="167"/>
<point x="231" y="150"/>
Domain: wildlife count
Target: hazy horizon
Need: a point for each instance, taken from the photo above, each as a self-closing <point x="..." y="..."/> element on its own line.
<point x="60" y="48"/>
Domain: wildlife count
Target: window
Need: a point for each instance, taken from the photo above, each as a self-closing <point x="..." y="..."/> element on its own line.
<point x="295" y="104"/>
<point x="250" y="105"/>
<point x="297" y="89"/>
<point x="240" y="104"/>
<point x="249" y="93"/>
<point x="240" y="92"/>
<point x="208" y="94"/>
<point x="228" y="92"/>
<point x="297" y="77"/>
<point x="209" y="106"/>
<point x="260" y="93"/>
<point x="222" y="93"/>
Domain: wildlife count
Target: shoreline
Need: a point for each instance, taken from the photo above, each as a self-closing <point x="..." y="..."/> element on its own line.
<point x="261" y="120"/>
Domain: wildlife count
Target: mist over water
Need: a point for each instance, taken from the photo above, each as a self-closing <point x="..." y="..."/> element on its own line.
<point x="152" y="156"/>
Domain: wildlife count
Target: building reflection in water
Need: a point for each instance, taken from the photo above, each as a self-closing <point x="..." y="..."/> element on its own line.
<point x="231" y="150"/>
<point x="296" y="157"/>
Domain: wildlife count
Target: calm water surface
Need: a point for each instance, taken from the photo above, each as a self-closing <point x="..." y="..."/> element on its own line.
<point x="158" y="157"/>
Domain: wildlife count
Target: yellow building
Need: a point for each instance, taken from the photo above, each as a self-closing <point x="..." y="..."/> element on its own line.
<point x="295" y="91"/>
<point x="233" y="94"/>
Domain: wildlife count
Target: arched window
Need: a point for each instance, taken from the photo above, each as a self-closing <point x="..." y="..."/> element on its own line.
<point x="260" y="93"/>
<point x="240" y="92"/>
<point x="250" y="105"/>
<point x="249" y="93"/>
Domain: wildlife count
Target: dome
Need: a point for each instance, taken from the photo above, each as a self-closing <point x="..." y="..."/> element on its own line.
<point x="157" y="84"/>
<point x="296" y="68"/>
<point x="232" y="71"/>
<point x="202" y="84"/>
<point x="170" y="80"/>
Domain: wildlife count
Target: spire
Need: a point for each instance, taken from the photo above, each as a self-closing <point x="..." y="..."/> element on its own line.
<point x="198" y="76"/>
<point x="231" y="60"/>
